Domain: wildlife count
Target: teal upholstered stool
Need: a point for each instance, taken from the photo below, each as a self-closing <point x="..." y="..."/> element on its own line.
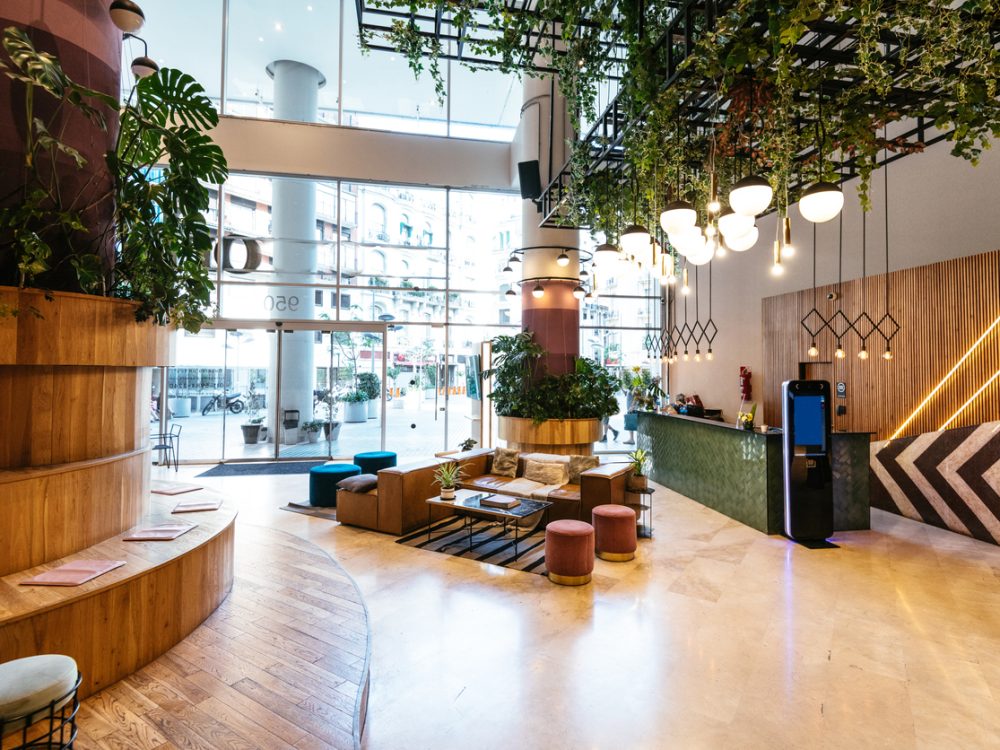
<point x="371" y="462"/>
<point x="323" y="483"/>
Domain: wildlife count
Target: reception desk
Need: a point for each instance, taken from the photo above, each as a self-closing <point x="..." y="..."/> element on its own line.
<point x="739" y="473"/>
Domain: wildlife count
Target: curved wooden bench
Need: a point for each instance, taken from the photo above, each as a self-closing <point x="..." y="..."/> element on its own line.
<point x="282" y="663"/>
<point x="118" y="622"/>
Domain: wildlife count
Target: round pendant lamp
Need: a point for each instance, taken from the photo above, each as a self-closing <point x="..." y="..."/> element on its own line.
<point x="821" y="202"/>
<point x="702" y="253"/>
<point x="143" y="67"/>
<point x="678" y="215"/>
<point x="733" y="225"/>
<point x="751" y="196"/>
<point x="744" y="242"/>
<point x="126" y="15"/>
<point x="635" y="239"/>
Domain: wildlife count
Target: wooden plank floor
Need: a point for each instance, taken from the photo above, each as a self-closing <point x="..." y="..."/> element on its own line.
<point x="283" y="663"/>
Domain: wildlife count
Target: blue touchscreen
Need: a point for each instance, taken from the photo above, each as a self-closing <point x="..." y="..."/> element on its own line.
<point x="810" y="421"/>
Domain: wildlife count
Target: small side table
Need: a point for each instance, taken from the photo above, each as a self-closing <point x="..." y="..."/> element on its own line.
<point x="643" y="512"/>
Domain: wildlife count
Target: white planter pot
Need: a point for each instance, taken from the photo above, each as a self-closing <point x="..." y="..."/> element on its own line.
<point x="356" y="411"/>
<point x="448" y="493"/>
<point x="291" y="436"/>
<point x="313" y="437"/>
<point x="397" y="403"/>
<point x="372" y="408"/>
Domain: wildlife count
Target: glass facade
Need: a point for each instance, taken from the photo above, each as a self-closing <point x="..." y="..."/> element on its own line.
<point x="374" y="90"/>
<point x="367" y="278"/>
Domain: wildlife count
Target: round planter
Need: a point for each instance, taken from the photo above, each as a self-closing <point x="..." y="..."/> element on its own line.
<point x="447" y="493"/>
<point x="331" y="430"/>
<point x="372" y="408"/>
<point x="565" y="437"/>
<point x="312" y="436"/>
<point x="355" y="411"/>
<point x="251" y="433"/>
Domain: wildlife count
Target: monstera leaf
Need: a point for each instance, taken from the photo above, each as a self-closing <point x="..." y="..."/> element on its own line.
<point x="170" y="96"/>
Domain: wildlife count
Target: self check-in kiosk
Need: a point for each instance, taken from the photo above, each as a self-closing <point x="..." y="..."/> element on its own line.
<point x="808" y="477"/>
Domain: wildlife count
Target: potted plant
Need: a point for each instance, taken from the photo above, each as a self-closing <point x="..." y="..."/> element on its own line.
<point x="331" y="425"/>
<point x="312" y="430"/>
<point x="370" y="385"/>
<point x="545" y="412"/>
<point x="429" y="377"/>
<point x="254" y="425"/>
<point x="355" y="409"/>
<point x="398" y="403"/>
<point x="638" y="459"/>
<point x="468" y="444"/>
<point x="447" y="476"/>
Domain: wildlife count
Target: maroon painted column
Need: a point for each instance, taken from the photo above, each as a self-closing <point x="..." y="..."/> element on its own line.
<point x="88" y="45"/>
<point x="555" y="317"/>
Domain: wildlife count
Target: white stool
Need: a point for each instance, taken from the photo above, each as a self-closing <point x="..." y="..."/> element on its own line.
<point x="36" y="689"/>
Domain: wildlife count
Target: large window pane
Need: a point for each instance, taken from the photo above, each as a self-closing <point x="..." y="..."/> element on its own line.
<point x="182" y="34"/>
<point x="381" y="93"/>
<point x="485" y="104"/>
<point x="262" y="32"/>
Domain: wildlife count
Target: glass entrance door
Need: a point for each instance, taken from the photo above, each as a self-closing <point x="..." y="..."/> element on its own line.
<point x="330" y="391"/>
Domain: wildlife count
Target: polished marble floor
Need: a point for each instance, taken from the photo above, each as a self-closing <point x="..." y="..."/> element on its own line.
<point x="716" y="636"/>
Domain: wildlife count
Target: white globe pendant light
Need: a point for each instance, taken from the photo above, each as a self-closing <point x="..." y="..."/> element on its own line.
<point x="751" y="196"/>
<point x="821" y="202"/>
<point x="744" y="242"/>
<point x="635" y="239"/>
<point x="733" y="225"/>
<point x="606" y="250"/>
<point x="685" y="238"/>
<point x="678" y="215"/>
<point x="701" y="253"/>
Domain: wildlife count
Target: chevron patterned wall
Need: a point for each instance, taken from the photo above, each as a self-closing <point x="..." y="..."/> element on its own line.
<point x="949" y="479"/>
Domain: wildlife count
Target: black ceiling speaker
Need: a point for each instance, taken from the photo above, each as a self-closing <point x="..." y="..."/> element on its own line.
<point x="530" y="179"/>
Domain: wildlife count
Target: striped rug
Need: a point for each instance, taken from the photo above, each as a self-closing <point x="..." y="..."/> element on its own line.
<point x="489" y="544"/>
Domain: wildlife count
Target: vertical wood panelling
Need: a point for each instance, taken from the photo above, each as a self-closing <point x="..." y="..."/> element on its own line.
<point x="942" y="309"/>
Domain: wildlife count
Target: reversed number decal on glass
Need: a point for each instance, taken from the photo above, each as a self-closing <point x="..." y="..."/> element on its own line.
<point x="281" y="303"/>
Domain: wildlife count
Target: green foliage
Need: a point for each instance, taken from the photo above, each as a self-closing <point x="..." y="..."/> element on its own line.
<point x="354" y="397"/>
<point x="448" y="475"/>
<point x="520" y="391"/>
<point x="159" y="169"/>
<point x="639" y="459"/>
<point x="468" y="444"/>
<point x="369" y="384"/>
<point x="313" y="426"/>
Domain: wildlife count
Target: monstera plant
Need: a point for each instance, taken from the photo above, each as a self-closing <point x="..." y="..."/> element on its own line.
<point x="154" y="249"/>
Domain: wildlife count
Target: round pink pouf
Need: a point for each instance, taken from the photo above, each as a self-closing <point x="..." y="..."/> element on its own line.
<point x="569" y="552"/>
<point x="614" y="527"/>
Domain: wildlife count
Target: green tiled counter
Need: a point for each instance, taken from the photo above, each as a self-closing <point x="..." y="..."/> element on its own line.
<point x="739" y="474"/>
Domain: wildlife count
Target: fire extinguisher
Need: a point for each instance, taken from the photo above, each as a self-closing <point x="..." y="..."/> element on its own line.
<point x="746" y="390"/>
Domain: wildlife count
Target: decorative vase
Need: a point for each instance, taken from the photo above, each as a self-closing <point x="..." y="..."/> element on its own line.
<point x="637" y="482"/>
<point x="748" y="426"/>
<point x="355" y="411"/>
<point x="447" y="493"/>
<point x="251" y="433"/>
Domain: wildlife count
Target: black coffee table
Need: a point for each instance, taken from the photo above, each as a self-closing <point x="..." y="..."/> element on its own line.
<point x="466" y="504"/>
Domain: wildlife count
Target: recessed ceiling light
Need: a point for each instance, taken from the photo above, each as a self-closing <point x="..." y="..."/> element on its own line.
<point x="260" y="39"/>
<point x="278" y="26"/>
<point x="309" y="7"/>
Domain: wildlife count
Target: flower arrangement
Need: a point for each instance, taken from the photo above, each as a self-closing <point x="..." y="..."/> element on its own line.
<point x="745" y="418"/>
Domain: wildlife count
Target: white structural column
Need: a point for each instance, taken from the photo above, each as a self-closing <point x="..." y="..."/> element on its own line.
<point x="555" y="317"/>
<point x="293" y="225"/>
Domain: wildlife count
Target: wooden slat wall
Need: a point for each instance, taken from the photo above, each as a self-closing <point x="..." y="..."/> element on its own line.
<point x="942" y="309"/>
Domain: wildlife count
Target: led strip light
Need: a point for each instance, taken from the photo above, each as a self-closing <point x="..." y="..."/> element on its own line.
<point x="971" y="399"/>
<point x="944" y="380"/>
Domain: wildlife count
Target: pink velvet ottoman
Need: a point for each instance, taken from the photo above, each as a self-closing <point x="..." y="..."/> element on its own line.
<point x="614" y="527"/>
<point x="569" y="552"/>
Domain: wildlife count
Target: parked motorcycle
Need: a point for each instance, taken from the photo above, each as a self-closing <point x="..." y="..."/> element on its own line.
<point x="234" y="403"/>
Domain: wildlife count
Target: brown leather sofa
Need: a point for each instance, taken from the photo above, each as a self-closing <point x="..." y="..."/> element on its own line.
<point x="398" y="506"/>
<point x="602" y="485"/>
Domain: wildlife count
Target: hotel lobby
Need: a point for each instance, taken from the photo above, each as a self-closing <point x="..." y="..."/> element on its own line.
<point x="459" y="375"/>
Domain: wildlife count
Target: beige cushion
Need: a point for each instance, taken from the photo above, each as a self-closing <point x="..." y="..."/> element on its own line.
<point x="547" y="472"/>
<point x="521" y="487"/>
<point x="32" y="683"/>
<point x="581" y="463"/>
<point x="550" y="458"/>
<point x="504" y="462"/>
